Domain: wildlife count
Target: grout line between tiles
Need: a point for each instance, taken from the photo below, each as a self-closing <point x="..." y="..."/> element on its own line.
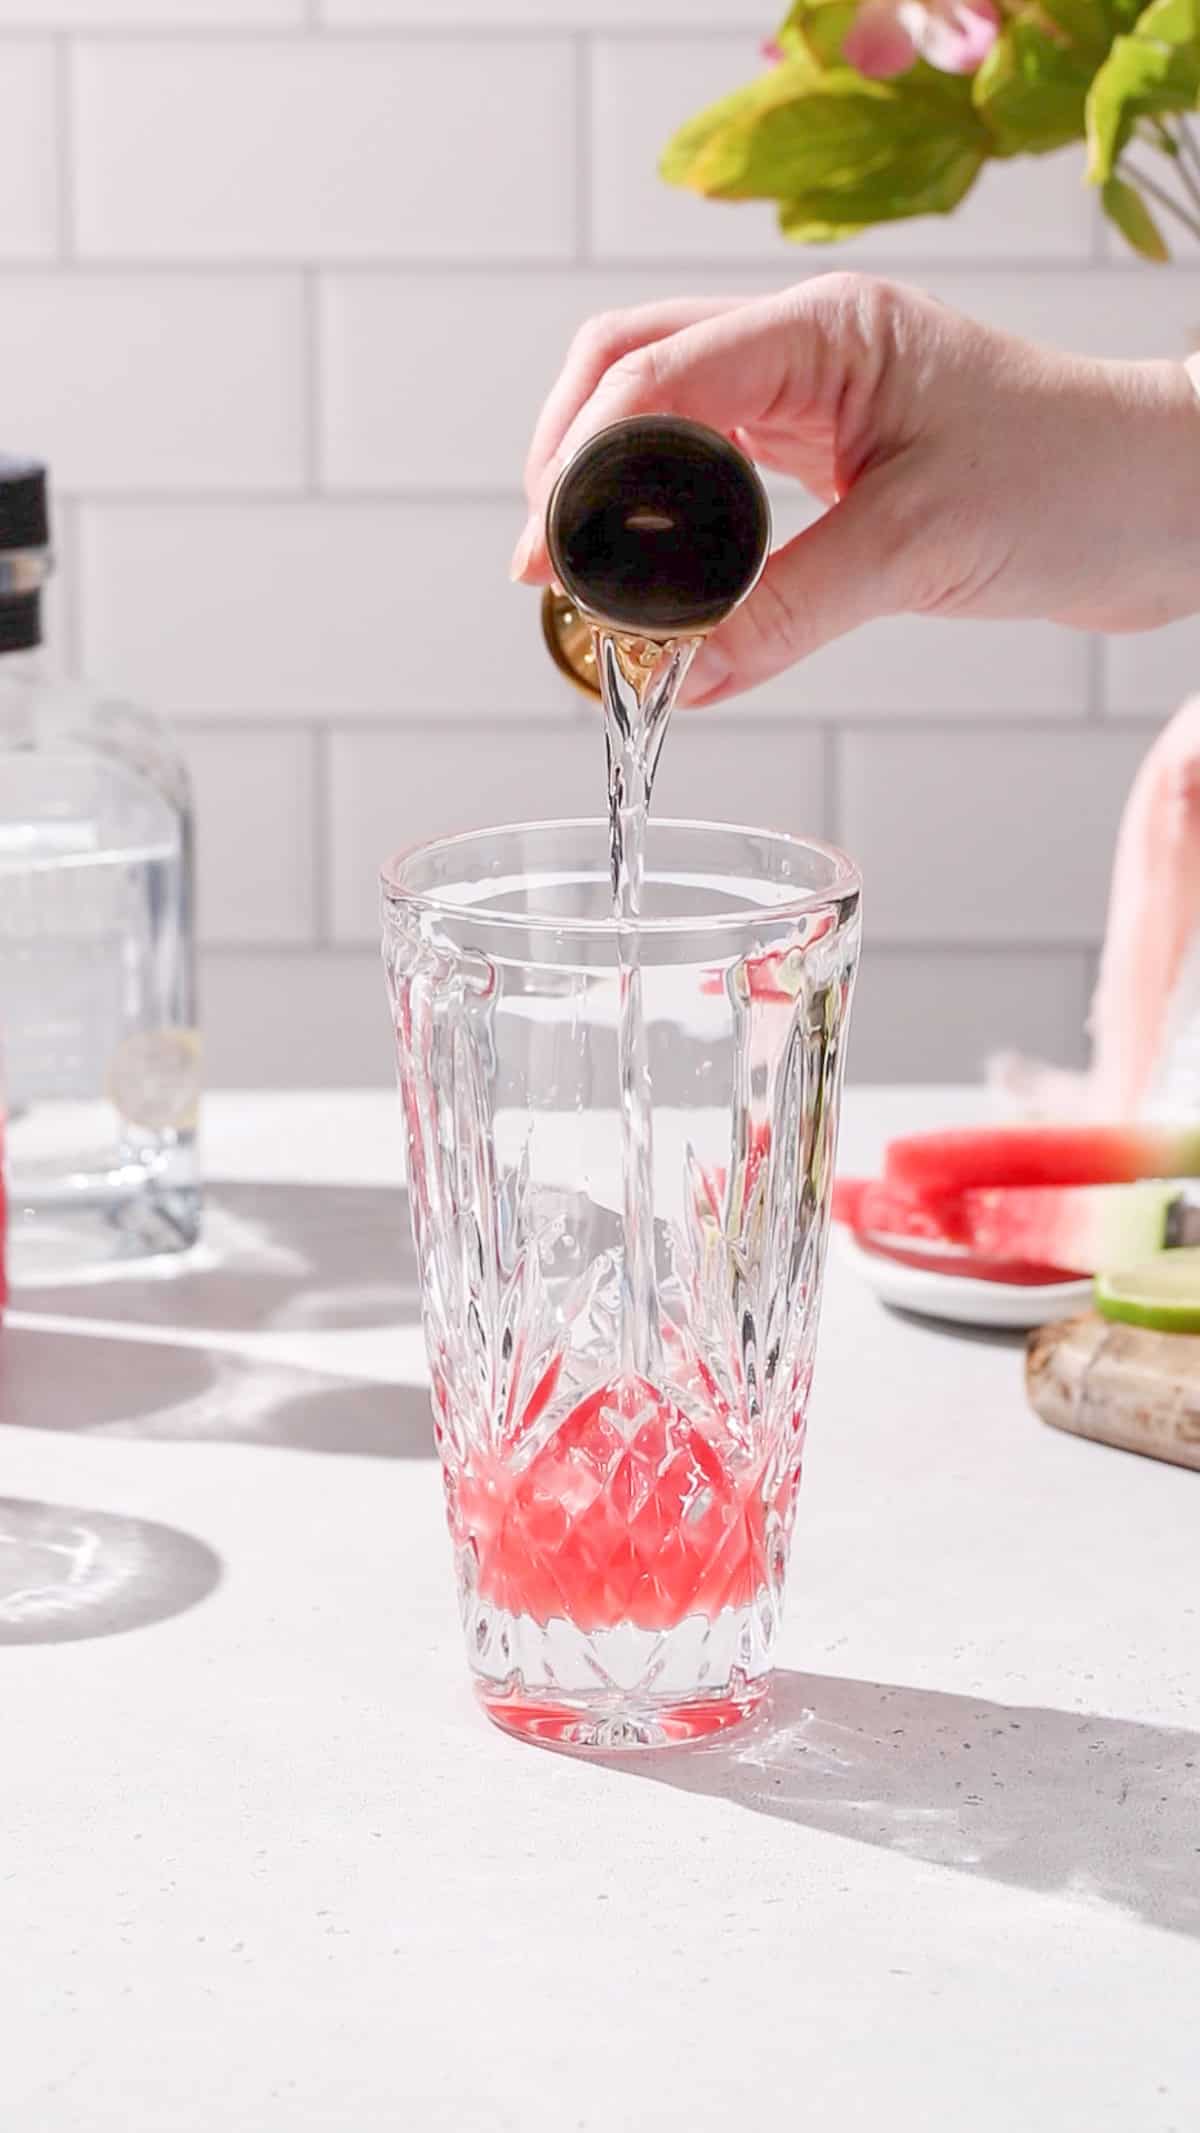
<point x="583" y="151"/>
<point x="311" y="365"/>
<point x="223" y="499"/>
<point x="758" y="726"/>
<point x="448" y="31"/>
<point x="64" y="154"/>
<point x="754" y="269"/>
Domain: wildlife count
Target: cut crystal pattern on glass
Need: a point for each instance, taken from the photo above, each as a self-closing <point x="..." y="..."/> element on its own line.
<point x="621" y="1544"/>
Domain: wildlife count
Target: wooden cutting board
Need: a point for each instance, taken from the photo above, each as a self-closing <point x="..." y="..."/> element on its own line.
<point x="1119" y="1385"/>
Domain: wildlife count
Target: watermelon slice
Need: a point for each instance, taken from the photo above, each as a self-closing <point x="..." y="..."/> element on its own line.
<point x="871" y="1206"/>
<point x="1082" y="1226"/>
<point x="848" y="1198"/>
<point x="931" y="1165"/>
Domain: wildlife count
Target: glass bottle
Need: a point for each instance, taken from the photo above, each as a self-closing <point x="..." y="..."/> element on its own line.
<point x="97" y="971"/>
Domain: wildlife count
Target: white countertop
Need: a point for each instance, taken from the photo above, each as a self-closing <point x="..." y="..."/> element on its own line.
<point x="264" y="1867"/>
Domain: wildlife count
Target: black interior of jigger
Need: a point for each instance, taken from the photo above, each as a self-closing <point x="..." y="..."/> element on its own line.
<point x="659" y="527"/>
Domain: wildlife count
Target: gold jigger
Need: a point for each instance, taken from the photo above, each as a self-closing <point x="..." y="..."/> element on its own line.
<point x="569" y="641"/>
<point x="657" y="528"/>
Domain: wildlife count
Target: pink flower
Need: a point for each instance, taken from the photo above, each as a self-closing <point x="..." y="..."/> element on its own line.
<point x="772" y="51"/>
<point x="886" y="36"/>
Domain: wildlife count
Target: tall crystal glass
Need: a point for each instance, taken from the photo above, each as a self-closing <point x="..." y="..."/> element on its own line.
<point x="621" y="1534"/>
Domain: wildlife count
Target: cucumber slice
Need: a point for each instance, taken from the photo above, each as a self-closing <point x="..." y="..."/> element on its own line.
<point x="1163" y="1293"/>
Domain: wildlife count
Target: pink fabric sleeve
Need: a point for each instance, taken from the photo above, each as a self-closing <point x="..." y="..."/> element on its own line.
<point x="1153" y="912"/>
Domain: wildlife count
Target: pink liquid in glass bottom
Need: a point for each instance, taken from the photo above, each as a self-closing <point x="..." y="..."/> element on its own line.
<point x="629" y="1513"/>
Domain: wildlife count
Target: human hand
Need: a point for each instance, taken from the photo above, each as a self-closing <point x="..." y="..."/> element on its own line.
<point x="968" y="473"/>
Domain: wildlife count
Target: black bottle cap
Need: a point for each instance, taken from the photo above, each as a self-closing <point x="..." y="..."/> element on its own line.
<point x="24" y="505"/>
<point x="20" y="622"/>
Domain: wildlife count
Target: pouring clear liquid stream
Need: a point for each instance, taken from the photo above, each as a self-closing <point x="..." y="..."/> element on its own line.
<point x="638" y="686"/>
<point x="657" y="529"/>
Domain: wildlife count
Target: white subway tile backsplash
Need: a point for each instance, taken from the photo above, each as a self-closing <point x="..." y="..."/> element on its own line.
<point x="1150" y="674"/>
<point x="376" y="610"/>
<point x="150" y="14"/>
<point x="316" y="264"/>
<point x="359" y="149"/>
<point x="389" y="790"/>
<point x="1135" y="313"/>
<point x="28" y="152"/>
<point x="938" y="1014"/>
<point x="634" y="215"/>
<point x="323" y="609"/>
<point x="126" y="381"/>
<point x="923" y="667"/>
<point x="392" y="789"/>
<point x="255" y="845"/>
<point x="984" y="837"/>
<point x="320" y="1020"/>
<point x="749" y="16"/>
<point x="292" y="1021"/>
<point x="406" y="402"/>
<point x="1032" y="208"/>
<point x="726" y="767"/>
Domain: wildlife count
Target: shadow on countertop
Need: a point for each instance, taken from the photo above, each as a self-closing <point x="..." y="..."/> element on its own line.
<point x="1062" y="1802"/>
<point x="275" y="1258"/>
<point x="943" y="1329"/>
<point x="67" y="1573"/>
<point x="163" y="1391"/>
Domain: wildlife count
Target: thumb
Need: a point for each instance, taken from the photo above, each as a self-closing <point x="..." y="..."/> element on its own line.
<point x="851" y="566"/>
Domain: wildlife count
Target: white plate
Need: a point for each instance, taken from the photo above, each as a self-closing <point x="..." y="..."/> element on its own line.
<point x="961" y="1300"/>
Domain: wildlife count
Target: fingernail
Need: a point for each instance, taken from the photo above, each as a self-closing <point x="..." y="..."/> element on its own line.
<point x="709" y="669"/>
<point x="523" y="552"/>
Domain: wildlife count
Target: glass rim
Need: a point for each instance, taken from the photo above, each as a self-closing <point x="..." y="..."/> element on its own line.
<point x="845" y="881"/>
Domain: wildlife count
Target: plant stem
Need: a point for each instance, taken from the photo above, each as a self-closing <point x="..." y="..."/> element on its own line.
<point x="1181" y="150"/>
<point x="1160" y="132"/>
<point x="1164" y="199"/>
<point x="1190" y="153"/>
<point x="1180" y="146"/>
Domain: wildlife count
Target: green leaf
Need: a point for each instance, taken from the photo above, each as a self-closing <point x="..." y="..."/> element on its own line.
<point x="816" y="30"/>
<point x="933" y="187"/>
<point x="1091" y="25"/>
<point x="710" y="150"/>
<point x="1032" y="90"/>
<point x="841" y="153"/>
<point x="1125" y="207"/>
<point x="1150" y="74"/>
<point x="1170" y="22"/>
